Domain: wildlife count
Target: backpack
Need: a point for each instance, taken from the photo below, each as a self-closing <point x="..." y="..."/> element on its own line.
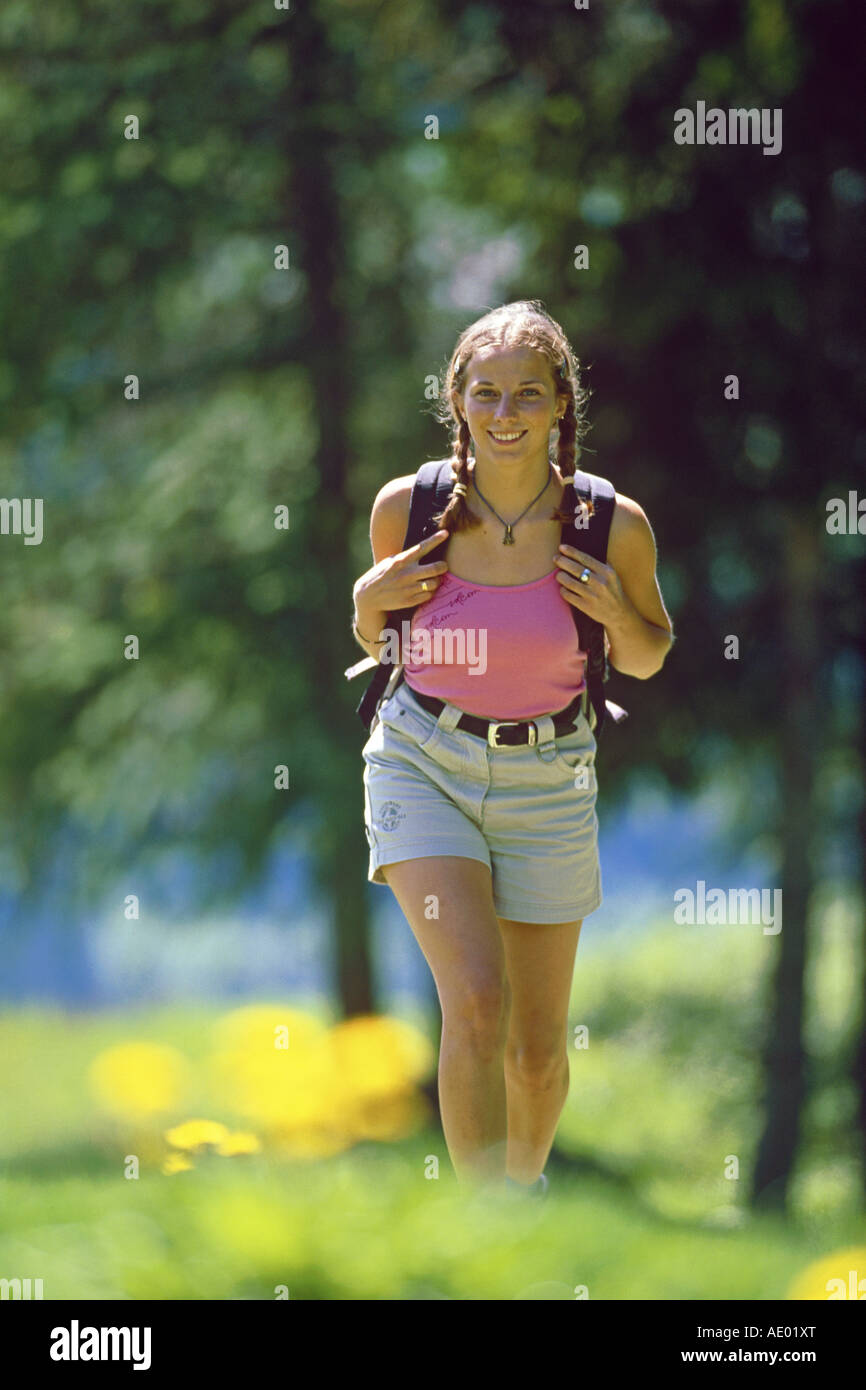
<point x="430" y="494"/>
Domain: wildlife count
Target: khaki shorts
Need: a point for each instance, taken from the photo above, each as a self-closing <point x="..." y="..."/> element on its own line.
<point x="527" y="812"/>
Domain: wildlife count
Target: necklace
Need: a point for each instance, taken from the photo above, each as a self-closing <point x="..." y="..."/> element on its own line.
<point x="508" y="538"/>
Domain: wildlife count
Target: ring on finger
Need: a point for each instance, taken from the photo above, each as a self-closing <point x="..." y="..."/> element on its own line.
<point x="585" y="576"/>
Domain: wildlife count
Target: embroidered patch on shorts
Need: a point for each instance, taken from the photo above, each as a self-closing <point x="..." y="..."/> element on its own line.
<point x="392" y="814"/>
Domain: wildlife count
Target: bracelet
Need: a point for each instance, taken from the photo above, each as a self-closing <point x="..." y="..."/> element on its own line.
<point x="374" y="641"/>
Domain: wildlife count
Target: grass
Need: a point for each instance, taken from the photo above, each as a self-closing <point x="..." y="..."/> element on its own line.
<point x="649" y="1176"/>
<point x="370" y="1226"/>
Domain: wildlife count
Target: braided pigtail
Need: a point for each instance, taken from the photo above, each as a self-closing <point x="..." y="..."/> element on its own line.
<point x="566" y="456"/>
<point x="457" y="515"/>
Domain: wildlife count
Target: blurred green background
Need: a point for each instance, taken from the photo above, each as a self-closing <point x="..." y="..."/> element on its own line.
<point x="238" y="245"/>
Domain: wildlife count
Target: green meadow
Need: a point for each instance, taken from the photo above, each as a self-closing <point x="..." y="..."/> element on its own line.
<point x="257" y="1198"/>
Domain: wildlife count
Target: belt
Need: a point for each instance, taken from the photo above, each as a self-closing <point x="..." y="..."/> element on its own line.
<point x="516" y="730"/>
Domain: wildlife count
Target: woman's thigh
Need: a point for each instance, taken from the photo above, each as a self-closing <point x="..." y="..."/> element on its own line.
<point x="448" y="902"/>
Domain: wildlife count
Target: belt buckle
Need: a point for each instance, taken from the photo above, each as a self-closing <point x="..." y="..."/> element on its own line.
<point x="506" y="723"/>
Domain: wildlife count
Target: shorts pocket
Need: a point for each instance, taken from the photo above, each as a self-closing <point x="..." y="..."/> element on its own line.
<point x="407" y="722"/>
<point x="576" y="751"/>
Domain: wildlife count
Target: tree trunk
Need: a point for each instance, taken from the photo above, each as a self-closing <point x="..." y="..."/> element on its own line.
<point x="783" y="1055"/>
<point x="314" y="234"/>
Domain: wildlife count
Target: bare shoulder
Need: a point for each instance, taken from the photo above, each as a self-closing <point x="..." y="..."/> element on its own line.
<point x="394" y="494"/>
<point x="631" y="534"/>
<point x="390" y="517"/>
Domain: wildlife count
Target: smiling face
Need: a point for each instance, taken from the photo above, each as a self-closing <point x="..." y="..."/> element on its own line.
<point x="508" y="392"/>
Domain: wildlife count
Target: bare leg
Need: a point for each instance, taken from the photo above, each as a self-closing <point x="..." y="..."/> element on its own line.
<point x="540" y="964"/>
<point x="463" y="947"/>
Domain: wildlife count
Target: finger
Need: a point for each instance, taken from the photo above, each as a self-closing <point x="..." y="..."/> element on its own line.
<point x="571" y="551"/>
<point x="567" y="565"/>
<point x="581" y="588"/>
<point x="576" y="567"/>
<point x="429" y="543"/>
<point x="420" y="595"/>
<point x="576" y="597"/>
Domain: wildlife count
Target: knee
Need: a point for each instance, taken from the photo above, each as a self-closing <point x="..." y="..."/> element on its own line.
<point x="478" y="1011"/>
<point x="539" y="1065"/>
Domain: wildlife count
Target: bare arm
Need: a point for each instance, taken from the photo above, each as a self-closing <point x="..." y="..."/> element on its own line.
<point x="388" y="521"/>
<point x="622" y="594"/>
<point x="639" y="643"/>
<point x="394" y="579"/>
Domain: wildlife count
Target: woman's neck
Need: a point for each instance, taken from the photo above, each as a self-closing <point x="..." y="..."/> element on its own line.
<point x="510" y="489"/>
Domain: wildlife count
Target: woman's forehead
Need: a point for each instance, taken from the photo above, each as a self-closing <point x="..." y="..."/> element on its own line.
<point x="504" y="361"/>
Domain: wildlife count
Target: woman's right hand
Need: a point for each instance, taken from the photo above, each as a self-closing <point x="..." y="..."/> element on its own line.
<point x="396" y="581"/>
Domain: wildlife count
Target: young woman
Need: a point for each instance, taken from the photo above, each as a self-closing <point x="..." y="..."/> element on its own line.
<point x="490" y="847"/>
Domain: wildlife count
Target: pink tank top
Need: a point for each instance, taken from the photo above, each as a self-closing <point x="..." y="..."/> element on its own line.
<point x="500" y="651"/>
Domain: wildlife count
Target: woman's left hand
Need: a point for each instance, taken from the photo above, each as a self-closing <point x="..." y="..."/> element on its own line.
<point x="601" y="597"/>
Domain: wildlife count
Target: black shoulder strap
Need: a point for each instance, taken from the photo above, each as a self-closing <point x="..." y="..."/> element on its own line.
<point x="431" y="492"/>
<point x="589" y="530"/>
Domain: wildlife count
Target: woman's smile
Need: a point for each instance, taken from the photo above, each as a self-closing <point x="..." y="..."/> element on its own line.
<point x="506" y="436"/>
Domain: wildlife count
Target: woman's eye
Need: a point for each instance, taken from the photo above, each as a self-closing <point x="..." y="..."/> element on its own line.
<point x="529" y="391"/>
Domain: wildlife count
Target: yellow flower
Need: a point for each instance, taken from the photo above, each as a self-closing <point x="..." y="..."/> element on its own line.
<point x="136" y="1080"/>
<point x="195" y="1134"/>
<point x="176" y="1163"/>
<point x="241" y="1142"/>
<point x="313" y="1090"/>
<point x="377" y="1055"/>
<point x="267" y="1026"/>
<point x="840" y="1275"/>
<point x="379" y="1063"/>
<point x="390" y="1117"/>
<point x="275" y="1065"/>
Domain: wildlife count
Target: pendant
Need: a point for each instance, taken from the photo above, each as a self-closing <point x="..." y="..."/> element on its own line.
<point x="508" y="539"/>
